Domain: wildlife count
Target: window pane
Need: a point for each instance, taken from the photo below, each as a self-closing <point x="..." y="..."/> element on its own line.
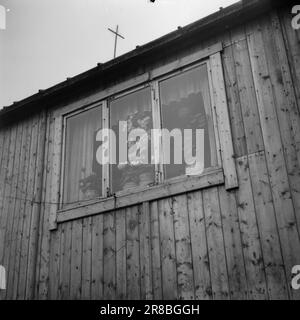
<point x="82" y="173"/>
<point x="185" y="104"/>
<point x="134" y="110"/>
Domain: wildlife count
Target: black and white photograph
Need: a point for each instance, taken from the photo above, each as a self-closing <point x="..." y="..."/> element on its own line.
<point x="149" y="152"/>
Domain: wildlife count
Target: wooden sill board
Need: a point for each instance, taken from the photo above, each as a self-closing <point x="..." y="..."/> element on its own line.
<point x="152" y="193"/>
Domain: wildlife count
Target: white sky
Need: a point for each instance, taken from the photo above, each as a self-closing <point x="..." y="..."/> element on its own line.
<point x="46" y="41"/>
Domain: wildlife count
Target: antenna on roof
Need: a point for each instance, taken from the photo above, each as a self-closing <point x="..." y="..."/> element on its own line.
<point x="116" y="38"/>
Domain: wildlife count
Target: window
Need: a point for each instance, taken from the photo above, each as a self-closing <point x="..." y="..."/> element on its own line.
<point x="135" y="111"/>
<point x="186" y="94"/>
<point x="186" y="99"/>
<point x="82" y="174"/>
<point x="186" y="104"/>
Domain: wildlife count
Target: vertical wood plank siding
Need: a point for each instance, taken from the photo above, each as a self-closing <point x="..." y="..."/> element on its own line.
<point x="206" y="244"/>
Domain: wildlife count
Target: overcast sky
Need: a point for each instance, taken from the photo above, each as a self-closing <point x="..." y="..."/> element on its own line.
<point x="46" y="41"/>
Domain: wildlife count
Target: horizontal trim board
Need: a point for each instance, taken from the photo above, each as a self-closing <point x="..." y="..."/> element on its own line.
<point x="186" y="60"/>
<point x="152" y="193"/>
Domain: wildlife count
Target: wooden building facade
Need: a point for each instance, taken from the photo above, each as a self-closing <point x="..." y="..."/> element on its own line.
<point x="232" y="232"/>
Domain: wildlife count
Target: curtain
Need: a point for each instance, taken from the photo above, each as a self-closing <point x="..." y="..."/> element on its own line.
<point x="186" y="104"/>
<point x="81" y="182"/>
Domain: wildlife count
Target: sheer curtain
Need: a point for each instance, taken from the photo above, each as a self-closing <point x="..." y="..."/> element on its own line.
<point x="186" y="104"/>
<point x="131" y="104"/>
<point x="82" y="180"/>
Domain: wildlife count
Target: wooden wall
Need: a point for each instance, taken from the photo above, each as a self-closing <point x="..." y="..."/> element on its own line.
<point x="206" y="244"/>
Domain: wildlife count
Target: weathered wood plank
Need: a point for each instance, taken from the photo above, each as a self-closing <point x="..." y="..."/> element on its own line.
<point x="23" y="201"/>
<point x="76" y="256"/>
<point x="86" y="258"/>
<point x="291" y="38"/>
<point x="200" y="257"/>
<point x="36" y="209"/>
<point x="167" y="248"/>
<point x="44" y="243"/>
<point x="55" y="187"/>
<point x="3" y="174"/>
<point x="244" y="78"/>
<point x="109" y="256"/>
<point x="65" y="266"/>
<point x="215" y="243"/>
<point x="269" y="238"/>
<point x="2" y="139"/>
<point x="14" y="264"/>
<point x="121" y="254"/>
<point x="28" y="211"/>
<point x="132" y="250"/>
<point x="3" y="171"/>
<point x="10" y="237"/>
<point x="55" y="264"/>
<point x="6" y="188"/>
<point x="145" y="252"/>
<point x="41" y="235"/>
<point x="234" y="104"/>
<point x="185" y="277"/>
<point x="221" y="107"/>
<point x="252" y="252"/>
<point x="61" y="262"/>
<point x="97" y="258"/>
<point x="233" y="245"/>
<point x="155" y="251"/>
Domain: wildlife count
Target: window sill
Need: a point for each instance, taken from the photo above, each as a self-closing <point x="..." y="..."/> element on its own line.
<point x="156" y="192"/>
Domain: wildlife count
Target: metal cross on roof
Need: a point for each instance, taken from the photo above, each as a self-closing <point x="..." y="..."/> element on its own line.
<point x="116" y="38"/>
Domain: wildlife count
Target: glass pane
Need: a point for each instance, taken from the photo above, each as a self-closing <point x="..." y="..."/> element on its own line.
<point x="82" y="173"/>
<point x="134" y="112"/>
<point x="186" y="104"/>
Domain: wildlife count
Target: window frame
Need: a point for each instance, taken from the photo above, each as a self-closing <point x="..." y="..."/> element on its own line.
<point x="164" y="188"/>
<point x="102" y="105"/>
<point x="118" y="96"/>
<point x="159" y="175"/>
<point x="216" y="146"/>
